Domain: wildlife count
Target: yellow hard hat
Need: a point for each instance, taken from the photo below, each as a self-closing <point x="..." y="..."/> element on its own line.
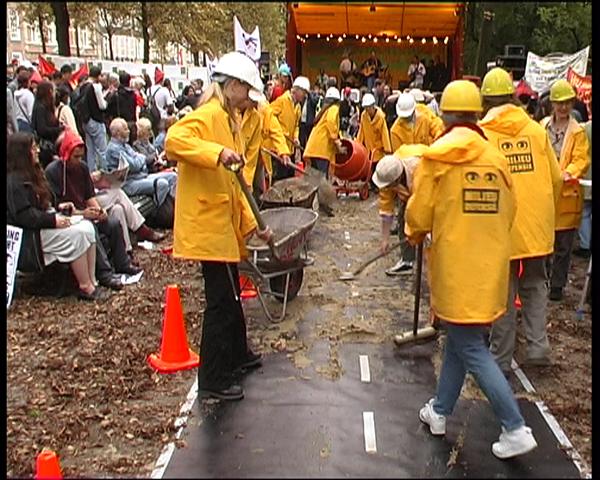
<point x="561" y="91"/>
<point x="461" y="96"/>
<point x="497" y="82"/>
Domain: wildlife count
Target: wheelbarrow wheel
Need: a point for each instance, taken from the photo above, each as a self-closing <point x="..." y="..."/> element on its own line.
<point x="277" y="285"/>
<point x="364" y="191"/>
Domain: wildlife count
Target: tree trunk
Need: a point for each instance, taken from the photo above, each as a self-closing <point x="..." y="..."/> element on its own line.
<point x="77" y="41"/>
<point x="145" y="32"/>
<point x="62" y="22"/>
<point x="42" y="34"/>
<point x="196" y="58"/>
<point x="110" y="45"/>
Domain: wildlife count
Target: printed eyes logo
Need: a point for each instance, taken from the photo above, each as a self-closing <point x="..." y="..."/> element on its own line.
<point x="471" y="177"/>
<point x="490" y="177"/>
<point x="506" y="146"/>
<point x="522" y="145"/>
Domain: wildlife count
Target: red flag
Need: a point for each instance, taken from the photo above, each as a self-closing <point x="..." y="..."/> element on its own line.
<point x="83" y="70"/>
<point x="45" y="67"/>
<point x="158" y="75"/>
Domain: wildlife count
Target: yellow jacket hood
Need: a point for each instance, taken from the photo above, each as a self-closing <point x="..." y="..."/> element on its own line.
<point x="506" y="119"/>
<point x="463" y="146"/>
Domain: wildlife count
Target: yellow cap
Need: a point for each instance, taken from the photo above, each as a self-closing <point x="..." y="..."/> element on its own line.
<point x="561" y="91"/>
<point x="461" y="96"/>
<point x="497" y="82"/>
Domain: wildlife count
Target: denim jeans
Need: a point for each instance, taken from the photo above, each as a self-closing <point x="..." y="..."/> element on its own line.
<point x="466" y="351"/>
<point x="167" y="183"/>
<point x="585" y="227"/>
<point x="24" y="126"/>
<point x="95" y="144"/>
<point x="322" y="165"/>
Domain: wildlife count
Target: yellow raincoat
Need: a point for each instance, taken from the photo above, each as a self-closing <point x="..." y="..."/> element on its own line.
<point x="212" y="216"/>
<point x="403" y="132"/>
<point x="288" y="116"/>
<point x="575" y="159"/>
<point x="261" y="128"/>
<point x="374" y="135"/>
<point x="320" y="142"/>
<point x="437" y="125"/>
<point x="462" y="194"/>
<point x="409" y="155"/>
<point x="535" y="174"/>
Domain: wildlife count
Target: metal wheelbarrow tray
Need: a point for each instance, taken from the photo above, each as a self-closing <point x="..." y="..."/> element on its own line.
<point x="290" y="192"/>
<point x="280" y="275"/>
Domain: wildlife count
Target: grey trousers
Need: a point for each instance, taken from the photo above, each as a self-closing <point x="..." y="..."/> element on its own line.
<point x="558" y="264"/>
<point x="118" y="205"/>
<point x="407" y="252"/>
<point x="532" y="290"/>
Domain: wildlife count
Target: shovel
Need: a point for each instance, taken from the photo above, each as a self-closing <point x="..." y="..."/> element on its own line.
<point x="352" y="275"/>
<point x="416" y="333"/>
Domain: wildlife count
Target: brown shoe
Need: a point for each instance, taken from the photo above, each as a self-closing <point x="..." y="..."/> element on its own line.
<point x="146" y="233"/>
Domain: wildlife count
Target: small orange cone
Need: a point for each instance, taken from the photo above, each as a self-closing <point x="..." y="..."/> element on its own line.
<point x="247" y="287"/>
<point x="47" y="466"/>
<point x="175" y="353"/>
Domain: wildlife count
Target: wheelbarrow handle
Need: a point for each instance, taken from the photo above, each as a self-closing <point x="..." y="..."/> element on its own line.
<point x="280" y="160"/>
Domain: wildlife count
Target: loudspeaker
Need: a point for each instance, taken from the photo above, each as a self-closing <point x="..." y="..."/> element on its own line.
<point x="514" y="50"/>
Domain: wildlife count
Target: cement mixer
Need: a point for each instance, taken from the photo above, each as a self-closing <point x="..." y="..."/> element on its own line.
<point x="352" y="170"/>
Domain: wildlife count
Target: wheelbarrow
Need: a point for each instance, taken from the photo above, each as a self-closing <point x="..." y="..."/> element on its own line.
<point x="278" y="270"/>
<point x="290" y="192"/>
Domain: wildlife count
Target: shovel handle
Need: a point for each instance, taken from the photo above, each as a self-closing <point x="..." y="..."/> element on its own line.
<point x="292" y="140"/>
<point x="280" y="160"/>
<point x="418" y="288"/>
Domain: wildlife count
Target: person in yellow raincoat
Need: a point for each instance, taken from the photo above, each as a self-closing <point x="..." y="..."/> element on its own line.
<point x="411" y="126"/>
<point x="287" y="109"/>
<point x="536" y="182"/>
<point x="213" y="219"/>
<point x="569" y="141"/>
<point x="259" y="127"/>
<point x="437" y="126"/>
<point x="393" y="177"/>
<point x="372" y="131"/>
<point x="462" y="196"/>
<point x="324" y="139"/>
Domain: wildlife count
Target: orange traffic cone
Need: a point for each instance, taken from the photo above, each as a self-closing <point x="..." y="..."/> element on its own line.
<point x="247" y="287"/>
<point x="175" y="353"/>
<point x="47" y="466"/>
<point x="518" y="303"/>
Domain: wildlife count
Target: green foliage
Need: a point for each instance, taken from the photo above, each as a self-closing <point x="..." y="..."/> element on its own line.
<point x="542" y="27"/>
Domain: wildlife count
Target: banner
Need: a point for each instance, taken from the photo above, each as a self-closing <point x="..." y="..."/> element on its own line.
<point x="583" y="87"/>
<point x="14" y="236"/>
<point x="541" y="72"/>
<point x="45" y="67"/>
<point x="248" y="43"/>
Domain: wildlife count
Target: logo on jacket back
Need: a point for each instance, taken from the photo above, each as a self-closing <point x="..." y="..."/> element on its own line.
<point x="518" y="154"/>
<point x="480" y="193"/>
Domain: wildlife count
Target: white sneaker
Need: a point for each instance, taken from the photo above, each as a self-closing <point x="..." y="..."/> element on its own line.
<point x="514" y="443"/>
<point x="436" y="422"/>
<point x="401" y="268"/>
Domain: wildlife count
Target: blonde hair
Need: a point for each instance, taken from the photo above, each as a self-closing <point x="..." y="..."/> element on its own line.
<point x="137" y="83"/>
<point x="144" y="125"/>
<point x="215" y="90"/>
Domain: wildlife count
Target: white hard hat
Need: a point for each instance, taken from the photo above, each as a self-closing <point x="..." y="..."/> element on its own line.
<point x="368" y="100"/>
<point x="303" y="83"/>
<point x="405" y="106"/>
<point x="418" y="94"/>
<point x="333" y="92"/>
<point x="237" y="65"/>
<point x="388" y="170"/>
<point x="428" y="95"/>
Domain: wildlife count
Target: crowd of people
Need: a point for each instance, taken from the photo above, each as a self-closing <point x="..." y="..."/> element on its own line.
<point x="491" y="189"/>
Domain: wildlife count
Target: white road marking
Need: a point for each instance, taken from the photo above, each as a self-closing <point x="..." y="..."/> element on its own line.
<point x="365" y="373"/>
<point x="165" y="457"/>
<point x="369" y="430"/>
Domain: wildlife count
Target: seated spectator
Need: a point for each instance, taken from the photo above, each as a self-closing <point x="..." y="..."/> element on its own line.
<point x="70" y="181"/>
<point x="139" y="181"/>
<point x="30" y="201"/>
<point x="64" y="113"/>
<point x="163" y="128"/>
<point x="154" y="161"/>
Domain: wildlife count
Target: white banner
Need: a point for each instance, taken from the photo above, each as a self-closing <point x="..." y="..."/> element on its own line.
<point x="14" y="237"/>
<point x="541" y="72"/>
<point x="248" y="43"/>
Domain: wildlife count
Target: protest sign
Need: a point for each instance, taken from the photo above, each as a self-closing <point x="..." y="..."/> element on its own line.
<point x="583" y="87"/>
<point x="541" y="72"/>
<point x="14" y="237"/>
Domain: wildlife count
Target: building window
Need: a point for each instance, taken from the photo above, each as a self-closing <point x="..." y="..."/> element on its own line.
<point x="32" y="35"/>
<point x="51" y="33"/>
<point x="14" y="26"/>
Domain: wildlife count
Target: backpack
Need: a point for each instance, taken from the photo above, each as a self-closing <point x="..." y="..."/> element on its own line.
<point x="156" y="217"/>
<point x="151" y="112"/>
<point x="81" y="109"/>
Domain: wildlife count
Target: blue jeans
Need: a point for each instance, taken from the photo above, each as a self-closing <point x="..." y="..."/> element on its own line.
<point x="371" y="83"/>
<point x="95" y="144"/>
<point x="585" y="228"/>
<point x="322" y="165"/>
<point x="24" y="126"/>
<point x="167" y="183"/>
<point x="466" y="351"/>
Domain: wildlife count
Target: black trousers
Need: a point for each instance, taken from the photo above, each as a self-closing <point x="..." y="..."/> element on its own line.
<point x="117" y="256"/>
<point x="223" y="346"/>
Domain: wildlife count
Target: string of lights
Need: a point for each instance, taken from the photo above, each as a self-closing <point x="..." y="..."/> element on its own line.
<point x="371" y="38"/>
